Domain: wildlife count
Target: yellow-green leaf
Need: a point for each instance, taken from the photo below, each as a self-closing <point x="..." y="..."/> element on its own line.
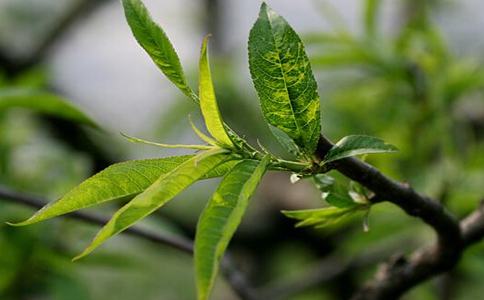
<point x="322" y="217"/>
<point x="119" y="181"/>
<point x="220" y="219"/>
<point x="208" y="101"/>
<point x="165" y="188"/>
<point x="137" y="140"/>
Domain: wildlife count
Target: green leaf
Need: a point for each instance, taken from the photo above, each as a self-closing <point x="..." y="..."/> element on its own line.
<point x="322" y="217"/>
<point x="155" y="42"/>
<point x="283" y="79"/>
<point x="286" y="142"/>
<point x="355" y="145"/>
<point x="335" y="194"/>
<point x="208" y="101"/>
<point x="136" y="140"/>
<point x="119" y="181"/>
<point x="165" y="188"/>
<point x="220" y="219"/>
<point x="200" y="134"/>
<point x="43" y="102"/>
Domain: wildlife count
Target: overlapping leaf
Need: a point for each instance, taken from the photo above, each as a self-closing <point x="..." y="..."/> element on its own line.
<point x="43" y="102"/>
<point x="322" y="217"/>
<point x="356" y="145"/>
<point x="220" y="219"/>
<point x="284" y="80"/>
<point x="119" y="181"/>
<point x="335" y="194"/>
<point x="208" y="101"/>
<point x="286" y="142"/>
<point x="159" y="193"/>
<point x="155" y="42"/>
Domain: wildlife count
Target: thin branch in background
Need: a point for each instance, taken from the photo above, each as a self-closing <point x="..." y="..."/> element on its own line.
<point x="14" y="66"/>
<point x="234" y="276"/>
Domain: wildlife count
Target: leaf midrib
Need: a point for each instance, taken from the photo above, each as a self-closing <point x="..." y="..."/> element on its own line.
<point x="285" y="79"/>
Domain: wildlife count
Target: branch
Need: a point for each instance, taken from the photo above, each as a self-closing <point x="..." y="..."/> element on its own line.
<point x="395" y="278"/>
<point x="14" y="66"/>
<point x="326" y="271"/>
<point x="473" y="226"/>
<point x="233" y="275"/>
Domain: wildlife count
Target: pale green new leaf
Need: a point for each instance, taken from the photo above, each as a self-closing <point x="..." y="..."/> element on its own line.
<point x="208" y="101"/>
<point x="43" y="102"/>
<point x="220" y="219"/>
<point x="137" y="140"/>
<point x="200" y="134"/>
<point x="155" y="42"/>
<point x="119" y="181"/>
<point x="322" y="217"/>
<point x="284" y="80"/>
<point x="165" y="188"/>
<point x="356" y="145"/>
<point x="333" y="193"/>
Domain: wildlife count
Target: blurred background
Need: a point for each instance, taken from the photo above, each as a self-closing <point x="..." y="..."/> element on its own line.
<point x="407" y="71"/>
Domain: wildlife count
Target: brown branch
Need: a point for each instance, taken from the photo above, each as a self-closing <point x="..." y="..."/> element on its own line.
<point x="233" y="275"/>
<point x="396" y="277"/>
<point x="473" y="226"/>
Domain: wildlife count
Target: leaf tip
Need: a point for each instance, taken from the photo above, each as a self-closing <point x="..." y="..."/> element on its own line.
<point x="264" y="6"/>
<point x="29" y="221"/>
<point x="129" y="138"/>
<point x="83" y="254"/>
<point x="16" y="224"/>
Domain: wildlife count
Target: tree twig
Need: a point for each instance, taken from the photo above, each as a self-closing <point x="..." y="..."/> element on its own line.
<point x="233" y="275"/>
<point x="400" y="274"/>
<point x="13" y="66"/>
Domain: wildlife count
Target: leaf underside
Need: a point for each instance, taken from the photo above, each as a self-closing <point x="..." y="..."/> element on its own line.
<point x="155" y="42"/>
<point x="156" y="195"/>
<point x="43" y="102"/>
<point x="334" y="193"/>
<point x="283" y="78"/>
<point x="356" y="145"/>
<point x="321" y="217"/>
<point x="119" y="181"/>
<point x="220" y="219"/>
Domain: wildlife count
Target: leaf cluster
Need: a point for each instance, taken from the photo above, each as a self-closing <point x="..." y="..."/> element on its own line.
<point x="290" y="103"/>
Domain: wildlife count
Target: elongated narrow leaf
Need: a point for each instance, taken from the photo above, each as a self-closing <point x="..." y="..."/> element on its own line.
<point x="155" y="42"/>
<point x="43" y="102"/>
<point x="355" y="145"/>
<point x="322" y="217"/>
<point x="119" y="181"/>
<point x="137" y="140"/>
<point x="220" y="219"/>
<point x="208" y="101"/>
<point x="159" y="193"/>
<point x="283" y="79"/>
<point x="200" y="134"/>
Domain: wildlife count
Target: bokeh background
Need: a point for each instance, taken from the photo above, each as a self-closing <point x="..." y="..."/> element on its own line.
<point x="407" y="71"/>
